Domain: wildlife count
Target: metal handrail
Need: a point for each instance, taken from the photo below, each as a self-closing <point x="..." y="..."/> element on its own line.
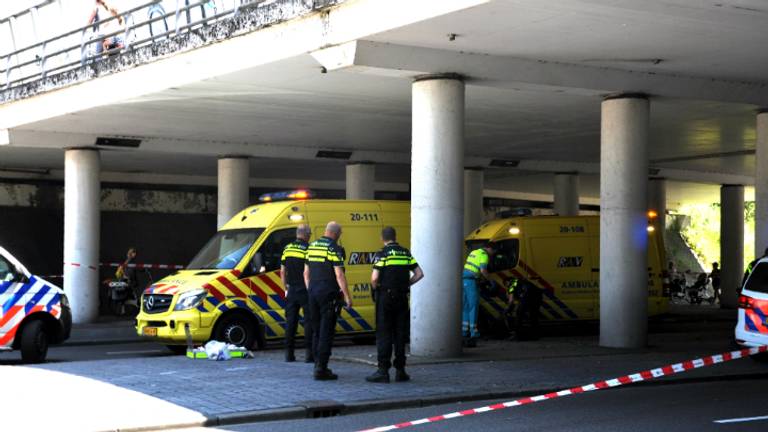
<point x="41" y="53"/>
<point x="25" y="11"/>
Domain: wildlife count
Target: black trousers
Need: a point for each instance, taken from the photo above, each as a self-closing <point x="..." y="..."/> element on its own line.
<point x="392" y="319"/>
<point x="298" y="299"/>
<point x="322" y="302"/>
<point x="527" y="313"/>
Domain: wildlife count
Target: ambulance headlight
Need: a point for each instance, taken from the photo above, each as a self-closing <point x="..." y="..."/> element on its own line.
<point x="190" y="299"/>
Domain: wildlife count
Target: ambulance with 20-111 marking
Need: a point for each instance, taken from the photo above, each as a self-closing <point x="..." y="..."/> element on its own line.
<point x="232" y="292"/>
<point x="33" y="312"/>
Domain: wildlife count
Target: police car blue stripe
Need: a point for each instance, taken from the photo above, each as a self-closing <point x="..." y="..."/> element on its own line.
<point x="750" y="325"/>
<point x="54" y="301"/>
<point x="5" y="286"/>
<point x="36" y="298"/>
<point x="18" y="295"/>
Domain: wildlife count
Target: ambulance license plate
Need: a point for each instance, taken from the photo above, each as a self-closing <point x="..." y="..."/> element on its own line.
<point x="150" y="331"/>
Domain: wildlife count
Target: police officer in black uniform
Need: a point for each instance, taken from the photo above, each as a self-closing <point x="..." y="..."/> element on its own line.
<point x="394" y="271"/>
<point x="296" y="296"/>
<point x="324" y="276"/>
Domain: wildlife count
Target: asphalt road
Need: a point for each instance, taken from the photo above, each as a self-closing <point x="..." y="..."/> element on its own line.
<point x="70" y="353"/>
<point x="737" y="405"/>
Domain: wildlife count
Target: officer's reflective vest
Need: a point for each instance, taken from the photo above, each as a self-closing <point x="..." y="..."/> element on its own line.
<point x="477" y="260"/>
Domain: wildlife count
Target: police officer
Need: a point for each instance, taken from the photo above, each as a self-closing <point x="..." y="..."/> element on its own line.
<point x="529" y="298"/>
<point x="394" y="271"/>
<point x="475" y="269"/>
<point x="296" y="296"/>
<point x="324" y="276"/>
<point x="751" y="267"/>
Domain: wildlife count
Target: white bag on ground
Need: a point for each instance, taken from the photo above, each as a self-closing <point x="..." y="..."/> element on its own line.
<point x="217" y="350"/>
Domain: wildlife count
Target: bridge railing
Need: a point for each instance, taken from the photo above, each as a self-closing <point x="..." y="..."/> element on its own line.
<point x="140" y="26"/>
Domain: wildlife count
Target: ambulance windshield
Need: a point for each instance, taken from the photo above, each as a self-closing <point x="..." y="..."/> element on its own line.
<point x="225" y="250"/>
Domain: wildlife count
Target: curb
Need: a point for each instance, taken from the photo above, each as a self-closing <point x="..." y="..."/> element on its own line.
<point x="316" y="409"/>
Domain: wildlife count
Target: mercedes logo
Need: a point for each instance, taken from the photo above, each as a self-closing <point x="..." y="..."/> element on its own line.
<point x="150" y="302"/>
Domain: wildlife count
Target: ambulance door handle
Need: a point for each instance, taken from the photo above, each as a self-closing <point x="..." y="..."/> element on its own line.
<point x="595" y="270"/>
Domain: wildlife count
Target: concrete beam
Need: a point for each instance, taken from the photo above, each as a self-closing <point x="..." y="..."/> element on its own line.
<point x="509" y="72"/>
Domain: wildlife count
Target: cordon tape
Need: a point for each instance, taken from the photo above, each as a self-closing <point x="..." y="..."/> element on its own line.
<point x="114" y="264"/>
<point x="646" y="375"/>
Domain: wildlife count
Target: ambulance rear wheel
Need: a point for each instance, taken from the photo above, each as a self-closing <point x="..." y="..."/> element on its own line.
<point x="236" y="329"/>
<point x="34" y="342"/>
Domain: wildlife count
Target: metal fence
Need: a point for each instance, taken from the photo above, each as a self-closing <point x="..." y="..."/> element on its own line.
<point x="140" y="26"/>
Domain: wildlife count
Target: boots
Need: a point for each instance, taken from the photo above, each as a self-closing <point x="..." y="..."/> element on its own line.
<point x="380" y="376"/>
<point x="289" y="356"/>
<point x="325" y="374"/>
<point x="401" y="376"/>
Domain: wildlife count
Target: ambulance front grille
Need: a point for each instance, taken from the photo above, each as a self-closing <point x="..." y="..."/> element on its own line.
<point x="156" y="303"/>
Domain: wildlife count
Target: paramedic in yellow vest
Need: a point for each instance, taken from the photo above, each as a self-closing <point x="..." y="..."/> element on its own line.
<point x="475" y="269"/>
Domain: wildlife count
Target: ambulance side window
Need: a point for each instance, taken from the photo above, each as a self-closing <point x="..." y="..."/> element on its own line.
<point x="272" y="250"/>
<point x="506" y="256"/>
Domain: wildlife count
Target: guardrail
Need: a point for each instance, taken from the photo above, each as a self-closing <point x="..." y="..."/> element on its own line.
<point x="85" y="45"/>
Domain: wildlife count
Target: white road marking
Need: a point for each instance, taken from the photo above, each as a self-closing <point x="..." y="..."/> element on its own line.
<point x="237" y="369"/>
<point x="741" y="420"/>
<point x="168" y="373"/>
<point x="134" y="352"/>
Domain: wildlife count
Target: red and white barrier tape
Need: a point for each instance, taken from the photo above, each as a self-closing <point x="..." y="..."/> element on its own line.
<point x="138" y="266"/>
<point x="147" y="266"/>
<point x="615" y="382"/>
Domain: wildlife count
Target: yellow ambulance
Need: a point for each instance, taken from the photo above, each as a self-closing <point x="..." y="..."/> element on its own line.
<point x="561" y="255"/>
<point x="231" y="291"/>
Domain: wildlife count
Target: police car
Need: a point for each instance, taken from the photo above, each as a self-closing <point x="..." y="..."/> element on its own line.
<point x="33" y="312"/>
<point x="752" y="326"/>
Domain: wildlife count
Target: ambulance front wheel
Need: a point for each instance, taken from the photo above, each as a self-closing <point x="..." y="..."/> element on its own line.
<point x="237" y="329"/>
<point x="34" y="342"/>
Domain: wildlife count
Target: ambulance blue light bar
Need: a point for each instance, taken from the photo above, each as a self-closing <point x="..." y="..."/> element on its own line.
<point x="300" y="194"/>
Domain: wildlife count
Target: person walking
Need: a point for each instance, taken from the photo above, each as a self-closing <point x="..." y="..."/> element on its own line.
<point x="325" y="279"/>
<point x="714" y="275"/>
<point x="395" y="270"/>
<point x="475" y="270"/>
<point x="296" y="297"/>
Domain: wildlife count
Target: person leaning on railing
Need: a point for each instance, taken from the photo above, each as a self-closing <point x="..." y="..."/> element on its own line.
<point x="107" y="26"/>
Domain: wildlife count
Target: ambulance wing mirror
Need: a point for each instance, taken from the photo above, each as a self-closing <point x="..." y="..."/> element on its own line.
<point x="257" y="263"/>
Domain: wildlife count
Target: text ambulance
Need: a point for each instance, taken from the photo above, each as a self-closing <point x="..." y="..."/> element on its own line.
<point x="231" y="291"/>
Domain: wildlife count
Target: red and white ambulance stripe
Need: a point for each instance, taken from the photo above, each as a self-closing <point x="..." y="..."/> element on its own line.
<point x="615" y="382"/>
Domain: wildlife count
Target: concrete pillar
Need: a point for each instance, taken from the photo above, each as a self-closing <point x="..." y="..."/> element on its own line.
<point x="623" y="222"/>
<point x="761" y="183"/>
<point x="731" y="243"/>
<point x="474" y="184"/>
<point x="233" y="191"/>
<point x="361" y="184"/>
<point x="82" y="224"/>
<point x="657" y="201"/>
<point x="566" y="194"/>
<point x="437" y="212"/>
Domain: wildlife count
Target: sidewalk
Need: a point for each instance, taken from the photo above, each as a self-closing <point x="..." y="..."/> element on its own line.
<point x="266" y="388"/>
